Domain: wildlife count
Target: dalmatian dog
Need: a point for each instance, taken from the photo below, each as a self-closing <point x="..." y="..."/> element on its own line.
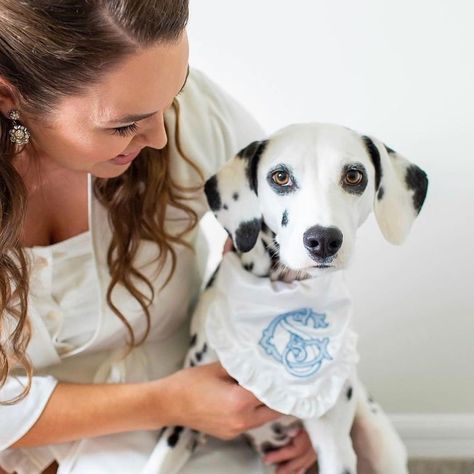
<point x="292" y="204"/>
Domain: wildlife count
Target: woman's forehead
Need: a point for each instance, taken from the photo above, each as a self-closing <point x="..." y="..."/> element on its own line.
<point x="143" y="83"/>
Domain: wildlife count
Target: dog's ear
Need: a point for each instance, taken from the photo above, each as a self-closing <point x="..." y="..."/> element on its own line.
<point x="232" y="196"/>
<point x="400" y="190"/>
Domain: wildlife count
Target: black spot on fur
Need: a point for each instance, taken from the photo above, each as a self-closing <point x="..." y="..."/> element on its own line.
<point x="198" y="355"/>
<point x="277" y="428"/>
<point x="279" y="432"/>
<point x="248" y="266"/>
<point x="252" y="153"/>
<point x="273" y="254"/>
<point x="349" y="393"/>
<point x="192" y="363"/>
<point x="246" y="234"/>
<point x="417" y="181"/>
<point x="173" y="438"/>
<point x="225" y="206"/>
<point x="273" y="249"/>
<point x="380" y="193"/>
<point x="284" y="219"/>
<point x="389" y="150"/>
<point x="235" y="196"/>
<point x="346" y="471"/>
<point x="193" y="340"/>
<point x="212" y="193"/>
<point x="268" y="447"/>
<point x="375" y="157"/>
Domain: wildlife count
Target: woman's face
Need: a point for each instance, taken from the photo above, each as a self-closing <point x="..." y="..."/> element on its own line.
<point x="92" y="132"/>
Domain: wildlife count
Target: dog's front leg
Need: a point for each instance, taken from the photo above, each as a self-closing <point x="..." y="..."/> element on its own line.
<point x="378" y="446"/>
<point x="330" y="434"/>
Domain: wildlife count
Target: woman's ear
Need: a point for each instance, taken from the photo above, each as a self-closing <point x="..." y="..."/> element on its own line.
<point x="400" y="190"/>
<point x="232" y="196"/>
<point x="7" y="98"/>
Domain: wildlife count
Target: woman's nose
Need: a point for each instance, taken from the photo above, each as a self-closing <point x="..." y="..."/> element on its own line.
<point x="154" y="134"/>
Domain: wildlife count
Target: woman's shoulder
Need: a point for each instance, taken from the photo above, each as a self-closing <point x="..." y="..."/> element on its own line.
<point x="213" y="126"/>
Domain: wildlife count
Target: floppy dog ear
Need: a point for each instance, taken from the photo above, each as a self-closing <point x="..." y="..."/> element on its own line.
<point x="232" y="195"/>
<point x="400" y="190"/>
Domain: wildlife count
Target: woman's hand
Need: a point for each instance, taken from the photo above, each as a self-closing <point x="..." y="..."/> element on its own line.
<point x="294" y="458"/>
<point x="207" y="399"/>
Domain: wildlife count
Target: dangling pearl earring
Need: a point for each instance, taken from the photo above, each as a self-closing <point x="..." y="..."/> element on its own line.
<point x="18" y="134"/>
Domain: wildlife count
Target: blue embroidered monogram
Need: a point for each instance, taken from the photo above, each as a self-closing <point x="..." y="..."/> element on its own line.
<point x="293" y="340"/>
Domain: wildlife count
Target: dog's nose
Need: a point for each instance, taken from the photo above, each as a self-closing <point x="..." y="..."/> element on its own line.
<point x="322" y="242"/>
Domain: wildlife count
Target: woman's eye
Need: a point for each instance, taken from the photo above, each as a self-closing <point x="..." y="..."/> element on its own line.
<point x="353" y="177"/>
<point x="282" y="178"/>
<point x="125" y="131"/>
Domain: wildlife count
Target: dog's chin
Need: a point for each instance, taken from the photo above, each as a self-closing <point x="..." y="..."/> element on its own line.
<point x="320" y="269"/>
<point x="316" y="268"/>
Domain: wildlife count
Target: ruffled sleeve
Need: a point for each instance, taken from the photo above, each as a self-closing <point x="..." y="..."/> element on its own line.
<point x="16" y="420"/>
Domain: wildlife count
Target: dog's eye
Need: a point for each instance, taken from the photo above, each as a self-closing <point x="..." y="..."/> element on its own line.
<point x="353" y="177"/>
<point x="282" y="178"/>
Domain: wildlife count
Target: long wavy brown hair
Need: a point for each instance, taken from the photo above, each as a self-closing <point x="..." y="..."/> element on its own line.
<point x="50" y="50"/>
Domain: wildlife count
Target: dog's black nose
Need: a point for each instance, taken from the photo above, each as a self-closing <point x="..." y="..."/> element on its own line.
<point x="322" y="242"/>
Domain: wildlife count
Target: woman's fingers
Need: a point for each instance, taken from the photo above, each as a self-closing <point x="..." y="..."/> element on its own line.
<point x="297" y="466"/>
<point x="296" y="447"/>
<point x="296" y="456"/>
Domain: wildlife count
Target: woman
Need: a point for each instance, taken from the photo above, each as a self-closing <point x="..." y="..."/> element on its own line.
<point x="101" y="178"/>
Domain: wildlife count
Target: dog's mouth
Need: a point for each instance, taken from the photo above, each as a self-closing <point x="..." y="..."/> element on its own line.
<point x="324" y="263"/>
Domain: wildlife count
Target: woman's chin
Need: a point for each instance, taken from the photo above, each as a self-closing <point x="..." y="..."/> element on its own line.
<point x="108" y="170"/>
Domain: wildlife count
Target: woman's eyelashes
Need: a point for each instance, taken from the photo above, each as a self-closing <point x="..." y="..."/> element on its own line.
<point x="126" y="131"/>
<point x="132" y="128"/>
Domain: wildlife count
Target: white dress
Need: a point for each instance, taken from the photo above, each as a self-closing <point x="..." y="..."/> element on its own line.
<point x="77" y="338"/>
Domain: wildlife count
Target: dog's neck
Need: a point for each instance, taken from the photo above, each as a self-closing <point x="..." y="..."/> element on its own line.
<point x="264" y="259"/>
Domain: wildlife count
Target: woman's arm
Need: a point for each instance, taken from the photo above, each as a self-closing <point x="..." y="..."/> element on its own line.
<point x="77" y="411"/>
<point x="204" y="398"/>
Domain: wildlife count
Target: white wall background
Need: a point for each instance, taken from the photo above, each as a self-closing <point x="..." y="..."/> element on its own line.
<point x="402" y="71"/>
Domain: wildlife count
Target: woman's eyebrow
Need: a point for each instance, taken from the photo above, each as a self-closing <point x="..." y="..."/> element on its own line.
<point x="136" y="118"/>
<point x="131" y="118"/>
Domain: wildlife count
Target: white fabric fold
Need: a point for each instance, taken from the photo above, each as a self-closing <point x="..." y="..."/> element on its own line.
<point x="290" y="344"/>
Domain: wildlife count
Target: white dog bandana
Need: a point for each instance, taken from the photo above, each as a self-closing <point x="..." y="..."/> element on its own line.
<point x="290" y="344"/>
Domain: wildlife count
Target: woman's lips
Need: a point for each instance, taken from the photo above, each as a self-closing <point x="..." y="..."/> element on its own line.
<point x="125" y="159"/>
